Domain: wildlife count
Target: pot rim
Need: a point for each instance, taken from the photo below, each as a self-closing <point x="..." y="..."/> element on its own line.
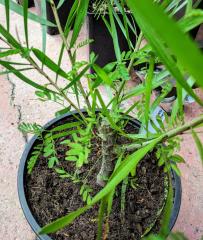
<point x="176" y="181"/>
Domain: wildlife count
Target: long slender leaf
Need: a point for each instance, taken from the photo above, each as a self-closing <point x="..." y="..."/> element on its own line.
<point x="76" y="79"/>
<point x="48" y="62"/>
<point x="148" y="15"/>
<point x="120" y="173"/>
<point x="23" y="77"/>
<point x="44" y="27"/>
<point x="198" y="144"/>
<point x="102" y="75"/>
<point x="114" y="33"/>
<point x="83" y="7"/>
<point x="167" y="212"/>
<point x="148" y="90"/>
<point x="25" y="18"/>
<point x="193" y="19"/>
<point x="9" y="52"/>
<point x="9" y="37"/>
<point x="62" y="222"/>
<point x="7" y="9"/>
<point x="19" y="10"/>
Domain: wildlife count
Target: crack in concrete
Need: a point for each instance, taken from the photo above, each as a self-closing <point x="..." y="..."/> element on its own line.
<point x="16" y="106"/>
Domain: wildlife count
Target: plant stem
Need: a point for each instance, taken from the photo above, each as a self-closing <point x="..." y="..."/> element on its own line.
<point x="172" y="133"/>
<point x="53" y="6"/>
<point x="108" y="139"/>
<point x="34" y="64"/>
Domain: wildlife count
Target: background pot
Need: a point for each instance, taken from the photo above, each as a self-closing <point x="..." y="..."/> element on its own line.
<point x="30" y="3"/>
<point x="63" y="13"/>
<point x="22" y="171"/>
<point x="103" y="44"/>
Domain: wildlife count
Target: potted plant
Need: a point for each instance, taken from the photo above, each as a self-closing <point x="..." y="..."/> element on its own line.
<point x="63" y="9"/>
<point x="100" y="30"/>
<point x="99" y="168"/>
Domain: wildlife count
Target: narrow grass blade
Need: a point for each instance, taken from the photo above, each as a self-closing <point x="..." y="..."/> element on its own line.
<point x="44" y="27"/>
<point x="198" y="144"/>
<point x="48" y="62"/>
<point x="77" y="78"/>
<point x="7" y="10"/>
<point x="60" y="3"/>
<point x="148" y="15"/>
<point x="102" y="209"/>
<point x="102" y="74"/>
<point x="193" y="19"/>
<point x="164" y="231"/>
<point x="64" y="221"/>
<point x="148" y="90"/>
<point x="9" y="37"/>
<point x="25" y="18"/>
<point x="114" y="33"/>
<point x="19" y="10"/>
<point x="9" y="52"/>
<point x="82" y="12"/>
<point x="23" y="77"/>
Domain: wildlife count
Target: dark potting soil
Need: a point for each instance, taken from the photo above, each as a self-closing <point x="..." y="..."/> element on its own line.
<point x="50" y="197"/>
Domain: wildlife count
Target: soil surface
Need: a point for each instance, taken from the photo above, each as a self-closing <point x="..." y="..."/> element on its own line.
<point x="50" y="197"/>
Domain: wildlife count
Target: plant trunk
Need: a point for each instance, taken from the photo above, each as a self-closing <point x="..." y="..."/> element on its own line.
<point x="108" y="139"/>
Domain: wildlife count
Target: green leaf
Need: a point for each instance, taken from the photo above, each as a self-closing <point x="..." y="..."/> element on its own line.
<point x="177" y="158"/>
<point x="176" y="169"/>
<point x="48" y="62"/>
<point x="114" y="33"/>
<point x="148" y="16"/>
<point x="66" y="126"/>
<point x="9" y="38"/>
<point x="198" y="144"/>
<point x="148" y="90"/>
<point x="193" y="19"/>
<point x="19" y="10"/>
<point x="7" y="9"/>
<point x="64" y="221"/>
<point x="9" y="52"/>
<point x="44" y="27"/>
<point x="23" y="77"/>
<point x="164" y="231"/>
<point x="25" y="18"/>
<point x="83" y="7"/>
<point x="102" y="74"/>
<point x="52" y="161"/>
<point x="76" y="79"/>
<point x="129" y="163"/>
<point x="71" y="158"/>
<point x="60" y="3"/>
<point x="63" y="111"/>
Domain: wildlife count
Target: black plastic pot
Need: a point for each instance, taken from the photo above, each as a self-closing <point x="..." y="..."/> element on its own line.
<point x="63" y="13"/>
<point x="22" y="171"/>
<point x="30" y="3"/>
<point x="103" y="43"/>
